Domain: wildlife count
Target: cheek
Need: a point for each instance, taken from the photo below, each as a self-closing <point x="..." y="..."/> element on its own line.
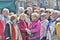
<point x="34" y="18"/>
<point x="53" y="15"/>
<point x="22" y="17"/>
<point x="42" y="17"/>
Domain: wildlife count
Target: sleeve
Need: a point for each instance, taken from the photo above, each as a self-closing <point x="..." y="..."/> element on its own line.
<point x="36" y="29"/>
<point x="21" y="28"/>
<point x="7" y="32"/>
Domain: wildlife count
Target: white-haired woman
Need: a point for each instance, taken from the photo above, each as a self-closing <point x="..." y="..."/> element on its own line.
<point x="44" y="24"/>
<point x="42" y="10"/>
<point x="20" y="10"/>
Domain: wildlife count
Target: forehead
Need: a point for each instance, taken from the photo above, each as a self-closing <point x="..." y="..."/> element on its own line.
<point x="43" y="16"/>
<point x="4" y="11"/>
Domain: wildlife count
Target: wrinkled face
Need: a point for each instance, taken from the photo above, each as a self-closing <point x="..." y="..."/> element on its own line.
<point x="54" y="15"/>
<point x="20" y="11"/>
<point x="23" y="18"/>
<point x="34" y="18"/>
<point x="42" y="18"/>
<point x="5" y="13"/>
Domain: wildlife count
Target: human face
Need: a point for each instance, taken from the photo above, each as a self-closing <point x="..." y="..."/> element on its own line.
<point x="34" y="18"/>
<point x="22" y="18"/>
<point x="54" y="15"/>
<point x="15" y="20"/>
<point x="20" y="11"/>
<point x="5" y="13"/>
<point x="43" y="18"/>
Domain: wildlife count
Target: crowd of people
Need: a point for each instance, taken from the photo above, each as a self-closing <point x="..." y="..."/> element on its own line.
<point x="32" y="23"/>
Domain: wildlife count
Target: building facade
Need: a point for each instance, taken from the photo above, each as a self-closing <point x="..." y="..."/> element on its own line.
<point x="41" y="3"/>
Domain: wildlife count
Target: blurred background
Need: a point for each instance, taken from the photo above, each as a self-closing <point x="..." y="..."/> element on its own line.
<point x="14" y="4"/>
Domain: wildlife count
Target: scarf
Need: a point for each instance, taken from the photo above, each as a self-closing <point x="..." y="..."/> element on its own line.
<point x="13" y="34"/>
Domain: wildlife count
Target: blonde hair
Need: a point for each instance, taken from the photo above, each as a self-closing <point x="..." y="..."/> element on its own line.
<point x="22" y="15"/>
<point x="35" y="15"/>
<point x="12" y="17"/>
<point x="12" y="13"/>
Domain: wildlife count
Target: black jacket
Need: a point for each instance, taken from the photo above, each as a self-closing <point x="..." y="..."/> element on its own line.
<point x="7" y="32"/>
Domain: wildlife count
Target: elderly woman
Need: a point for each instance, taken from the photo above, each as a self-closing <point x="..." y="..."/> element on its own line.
<point x="23" y="25"/>
<point x="44" y="24"/>
<point x="11" y="29"/>
<point x="42" y="10"/>
<point x="34" y="27"/>
<point x="20" y="10"/>
<point x="5" y="16"/>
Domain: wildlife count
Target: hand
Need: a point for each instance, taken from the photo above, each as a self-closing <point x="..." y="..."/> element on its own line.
<point x="28" y="31"/>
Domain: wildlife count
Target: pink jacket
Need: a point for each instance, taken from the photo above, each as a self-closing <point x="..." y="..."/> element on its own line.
<point x="22" y="27"/>
<point x="35" y="29"/>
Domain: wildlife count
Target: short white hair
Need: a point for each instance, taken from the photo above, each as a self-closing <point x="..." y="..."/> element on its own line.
<point x="21" y="8"/>
<point x="5" y="9"/>
<point x="58" y="19"/>
<point x="42" y="9"/>
<point x="48" y="10"/>
<point x="44" y="14"/>
<point x="51" y="10"/>
<point x="55" y="12"/>
<point x="36" y="10"/>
